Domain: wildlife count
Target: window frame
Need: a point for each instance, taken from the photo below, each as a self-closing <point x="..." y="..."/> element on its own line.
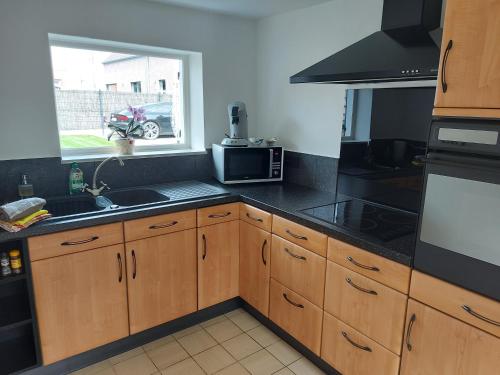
<point x="96" y="153"/>
<point x="349" y="118"/>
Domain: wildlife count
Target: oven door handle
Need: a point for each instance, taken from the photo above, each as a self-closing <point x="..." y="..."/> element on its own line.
<point x="460" y="159"/>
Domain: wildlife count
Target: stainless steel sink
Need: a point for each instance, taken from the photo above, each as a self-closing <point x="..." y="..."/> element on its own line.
<point x="135" y="197"/>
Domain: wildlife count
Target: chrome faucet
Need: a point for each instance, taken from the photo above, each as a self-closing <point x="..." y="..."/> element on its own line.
<point x="96" y="191"/>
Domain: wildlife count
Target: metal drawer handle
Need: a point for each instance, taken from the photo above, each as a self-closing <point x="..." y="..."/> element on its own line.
<point x="258" y="219"/>
<point x="134" y="262"/>
<point x="296" y="235"/>
<point x="161" y="226"/>
<point x="300" y="306"/>
<point x="74" y="243"/>
<point x="349" y="281"/>
<point x="365" y="348"/>
<point x="408" y="332"/>
<point x="262" y="252"/>
<point x="120" y="268"/>
<point x="369" y="268"/>
<point x="444" y="85"/>
<point x="295" y="255"/>
<point x="479" y="316"/>
<point x="218" y="216"/>
<point x="204" y="247"/>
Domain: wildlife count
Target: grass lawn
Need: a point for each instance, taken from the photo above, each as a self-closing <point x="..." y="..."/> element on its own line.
<point x="81" y="141"/>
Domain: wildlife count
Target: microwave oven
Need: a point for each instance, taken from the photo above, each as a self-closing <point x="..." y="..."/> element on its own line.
<point x="235" y="165"/>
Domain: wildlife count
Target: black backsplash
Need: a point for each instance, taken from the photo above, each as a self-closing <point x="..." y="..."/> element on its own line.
<point x="50" y="177"/>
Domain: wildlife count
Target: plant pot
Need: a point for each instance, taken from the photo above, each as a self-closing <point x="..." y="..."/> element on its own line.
<point x="125" y="146"/>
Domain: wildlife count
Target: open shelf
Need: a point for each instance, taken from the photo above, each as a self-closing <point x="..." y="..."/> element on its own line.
<point x="15" y="303"/>
<point x="17" y="350"/>
<point x="12" y="278"/>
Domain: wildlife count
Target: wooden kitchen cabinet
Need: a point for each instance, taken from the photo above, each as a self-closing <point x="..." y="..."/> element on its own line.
<point x="439" y="344"/>
<point x="81" y="301"/>
<point x="255" y="266"/>
<point x="470" y="66"/>
<point x="218" y="263"/>
<point x="162" y="282"/>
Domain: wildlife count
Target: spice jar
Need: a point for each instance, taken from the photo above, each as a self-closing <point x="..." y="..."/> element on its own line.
<point x="5" y="265"/>
<point x="15" y="262"/>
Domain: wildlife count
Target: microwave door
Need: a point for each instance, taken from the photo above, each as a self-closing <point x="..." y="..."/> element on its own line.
<point x="459" y="231"/>
<point x="248" y="164"/>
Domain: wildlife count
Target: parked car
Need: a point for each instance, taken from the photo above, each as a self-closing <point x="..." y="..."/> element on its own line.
<point x="158" y="120"/>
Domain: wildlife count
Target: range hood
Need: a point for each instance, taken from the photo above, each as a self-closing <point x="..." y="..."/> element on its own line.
<point x="406" y="49"/>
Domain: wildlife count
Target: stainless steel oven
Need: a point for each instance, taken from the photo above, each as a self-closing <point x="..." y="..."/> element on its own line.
<point x="247" y="164"/>
<point x="459" y="229"/>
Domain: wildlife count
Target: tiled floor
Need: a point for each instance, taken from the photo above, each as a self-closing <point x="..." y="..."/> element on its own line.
<point x="230" y="344"/>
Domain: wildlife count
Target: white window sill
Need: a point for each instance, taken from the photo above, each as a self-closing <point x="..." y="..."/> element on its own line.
<point x="67" y="159"/>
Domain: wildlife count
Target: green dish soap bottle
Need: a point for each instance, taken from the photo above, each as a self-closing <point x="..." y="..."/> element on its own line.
<point x="75" y="179"/>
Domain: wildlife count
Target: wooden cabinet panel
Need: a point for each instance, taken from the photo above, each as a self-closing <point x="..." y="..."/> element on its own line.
<point x="158" y="225"/>
<point x="385" y="271"/>
<point x="81" y="301"/>
<point x="73" y="241"/>
<point x="446" y="346"/>
<point x="296" y="315"/>
<point x="218" y="263"/>
<point x="300" y="235"/>
<point x="298" y="269"/>
<point x="218" y="214"/>
<point x="473" y="63"/>
<point x="162" y="282"/>
<point x="255" y="266"/>
<point x="255" y="216"/>
<point x="366" y="305"/>
<point x="352" y="353"/>
<point x="457" y="302"/>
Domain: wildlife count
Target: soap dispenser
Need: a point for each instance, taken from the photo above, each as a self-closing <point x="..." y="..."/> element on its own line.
<point x="25" y="189"/>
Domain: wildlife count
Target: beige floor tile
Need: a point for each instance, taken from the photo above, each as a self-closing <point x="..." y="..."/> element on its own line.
<point x="284" y="371"/>
<point x="214" y="359"/>
<point x="284" y="352"/>
<point x="263" y="336"/>
<point x="166" y="355"/>
<point x="157" y="343"/>
<point x="138" y="365"/>
<point x="211" y="322"/>
<point x="95" y="369"/>
<point x="305" y="367"/>
<point x="245" y="321"/>
<point x="261" y="363"/>
<point x="197" y="342"/>
<point x="235" y="369"/>
<point x="235" y="312"/>
<point x="224" y="330"/>
<point x="186" y="367"/>
<point x="241" y="346"/>
<point x="126" y="355"/>
<point x="187" y="331"/>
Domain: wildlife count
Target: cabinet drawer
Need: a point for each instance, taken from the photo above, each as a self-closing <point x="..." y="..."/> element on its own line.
<point x="255" y="216"/>
<point x="158" y="225"/>
<point x="73" y="241"/>
<point x="218" y="214"/>
<point x="296" y="315"/>
<point x="352" y="353"/>
<point x="467" y="306"/>
<point x="298" y="269"/>
<point x="392" y="274"/>
<point x="300" y="235"/>
<point x="366" y="305"/>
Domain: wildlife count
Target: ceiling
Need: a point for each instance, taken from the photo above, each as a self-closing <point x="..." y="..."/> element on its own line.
<point x="246" y="8"/>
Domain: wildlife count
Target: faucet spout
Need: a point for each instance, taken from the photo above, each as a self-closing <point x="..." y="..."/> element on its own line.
<point x="95" y="191"/>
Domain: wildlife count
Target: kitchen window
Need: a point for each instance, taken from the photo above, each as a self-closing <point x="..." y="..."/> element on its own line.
<point x="95" y="84"/>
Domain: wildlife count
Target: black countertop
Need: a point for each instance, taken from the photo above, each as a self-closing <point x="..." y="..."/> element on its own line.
<point x="286" y="200"/>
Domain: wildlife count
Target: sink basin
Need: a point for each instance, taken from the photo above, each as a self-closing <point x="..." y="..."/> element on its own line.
<point x="71" y="206"/>
<point x="135" y="197"/>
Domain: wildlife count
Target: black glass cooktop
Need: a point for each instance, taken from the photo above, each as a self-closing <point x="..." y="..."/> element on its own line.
<point x="383" y="223"/>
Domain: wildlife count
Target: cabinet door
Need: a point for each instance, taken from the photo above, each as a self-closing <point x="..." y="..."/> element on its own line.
<point x="439" y="344"/>
<point x="81" y="301"/>
<point x="472" y="67"/>
<point x="161" y="275"/>
<point x="218" y="263"/>
<point x="255" y="266"/>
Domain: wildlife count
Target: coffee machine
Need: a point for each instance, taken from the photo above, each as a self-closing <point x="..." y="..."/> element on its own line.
<point x="238" y="125"/>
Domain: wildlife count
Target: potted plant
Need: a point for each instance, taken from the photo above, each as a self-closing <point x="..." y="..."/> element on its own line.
<point x="125" y="142"/>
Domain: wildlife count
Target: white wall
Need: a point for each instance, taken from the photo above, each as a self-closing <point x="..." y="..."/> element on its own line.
<point x="307" y="117"/>
<point x="28" y="127"/>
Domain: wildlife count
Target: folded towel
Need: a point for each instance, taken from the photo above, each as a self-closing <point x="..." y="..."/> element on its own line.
<point x="20" y="209"/>
<point x="16" y="226"/>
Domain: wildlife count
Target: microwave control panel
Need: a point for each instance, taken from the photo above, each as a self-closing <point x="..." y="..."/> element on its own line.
<point x="276" y="162"/>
